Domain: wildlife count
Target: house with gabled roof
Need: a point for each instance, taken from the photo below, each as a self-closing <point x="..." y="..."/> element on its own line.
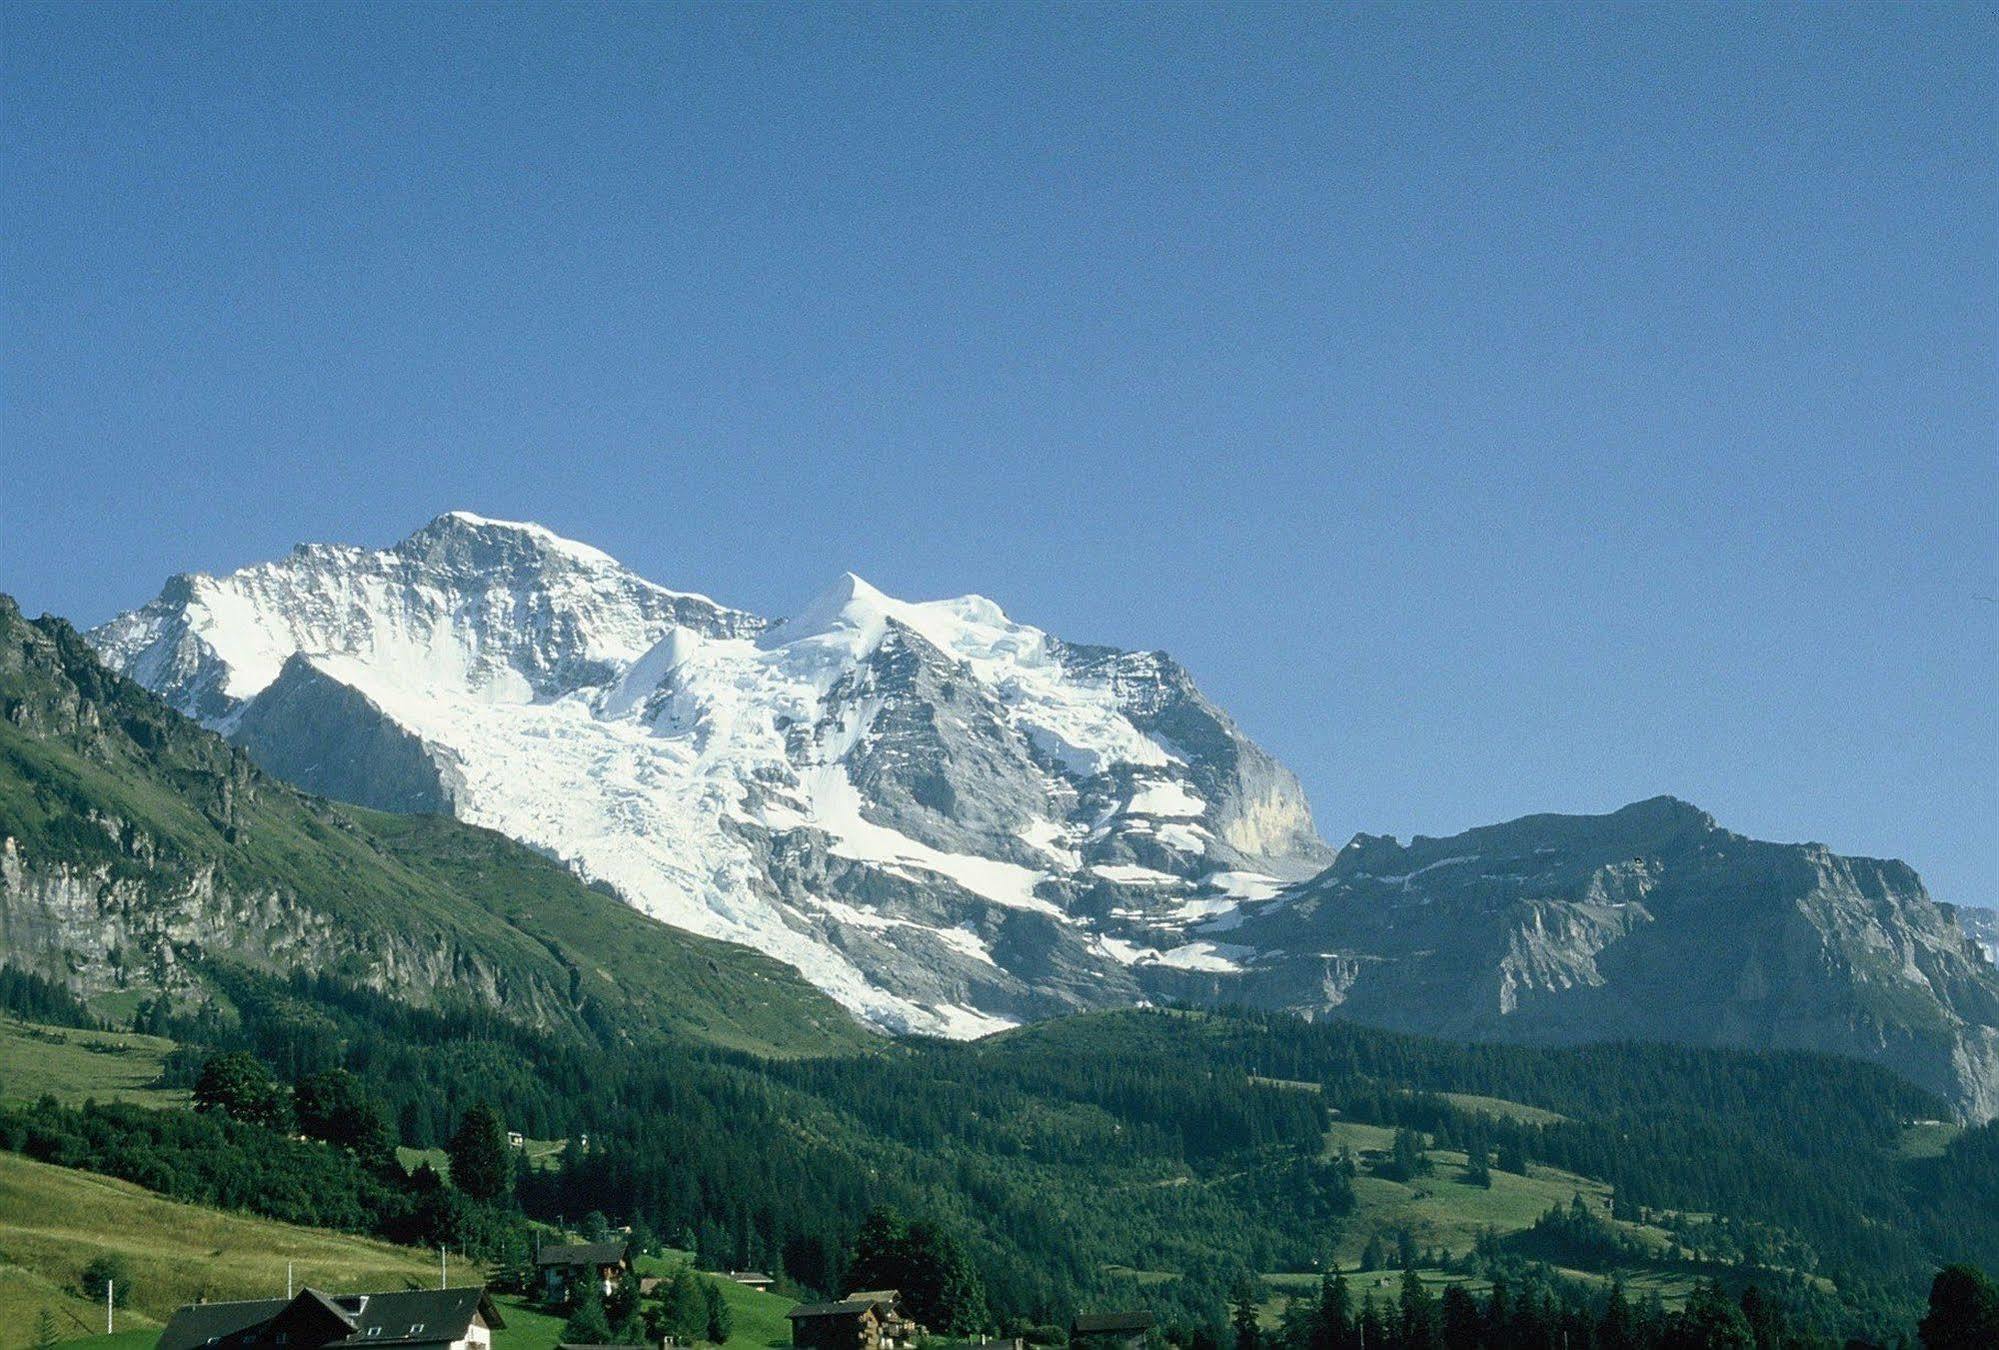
<point x="410" y="1319"/>
<point x="1110" y="1330"/>
<point x="569" y="1266"/>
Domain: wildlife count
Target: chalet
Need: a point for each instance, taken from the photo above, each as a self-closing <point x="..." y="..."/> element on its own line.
<point x="566" y="1267"/>
<point x="1110" y="1331"/>
<point x="413" y="1319"/>
<point x="896" y="1327"/>
<point x="755" y="1279"/>
<point x="869" y="1319"/>
<point x="850" y="1324"/>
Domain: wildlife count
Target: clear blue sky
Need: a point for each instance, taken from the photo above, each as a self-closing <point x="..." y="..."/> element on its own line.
<point x="1499" y="409"/>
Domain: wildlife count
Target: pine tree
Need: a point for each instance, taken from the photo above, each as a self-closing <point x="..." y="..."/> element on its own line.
<point x="1419" y="1313"/>
<point x="721" y="1319"/>
<point x="1460" y="1317"/>
<point x="1243" y="1299"/>
<point x="1335" y="1323"/>
<point x="588" y="1325"/>
<point x="1615" y="1329"/>
<point x="1374" y="1254"/>
<point x="478" y="1153"/>
<point x="686" y="1306"/>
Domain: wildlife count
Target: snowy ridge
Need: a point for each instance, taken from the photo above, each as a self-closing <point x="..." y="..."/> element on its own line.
<point x="947" y="820"/>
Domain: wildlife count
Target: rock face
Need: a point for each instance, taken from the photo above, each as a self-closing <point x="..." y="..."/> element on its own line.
<point x="1650" y="923"/>
<point x="953" y="822"/>
<point x="948" y="820"/>
<point x="142" y="854"/>
<point x="1983" y="926"/>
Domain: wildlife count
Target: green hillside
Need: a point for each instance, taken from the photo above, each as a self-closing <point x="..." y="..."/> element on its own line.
<point x="96" y="773"/>
<point x="73" y="1065"/>
<point x="53" y="1220"/>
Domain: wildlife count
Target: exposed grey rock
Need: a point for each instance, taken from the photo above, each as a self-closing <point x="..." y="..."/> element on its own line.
<point x="1650" y="923"/>
<point x="332" y="739"/>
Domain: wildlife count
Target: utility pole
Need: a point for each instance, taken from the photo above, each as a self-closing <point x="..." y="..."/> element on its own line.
<point x="443" y="1278"/>
<point x="288" y="1281"/>
<point x="109" y="1285"/>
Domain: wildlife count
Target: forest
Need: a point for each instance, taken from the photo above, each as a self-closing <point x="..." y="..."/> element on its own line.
<point x="1208" y="1131"/>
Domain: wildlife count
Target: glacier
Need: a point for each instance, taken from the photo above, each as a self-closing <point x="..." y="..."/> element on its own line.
<point x="948" y="820"/>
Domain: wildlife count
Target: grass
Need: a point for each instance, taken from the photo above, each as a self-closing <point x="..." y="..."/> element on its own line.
<point x="757" y="1318"/>
<point x="542" y="1154"/>
<point x="426" y="885"/>
<point x="1927" y="1138"/>
<point x="1440" y="1210"/>
<point x="71" y="1065"/>
<point x="54" y="1220"/>
<point x="1503" y="1109"/>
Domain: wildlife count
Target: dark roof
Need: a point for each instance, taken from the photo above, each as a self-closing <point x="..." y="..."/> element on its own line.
<point x="846" y="1307"/>
<point x="578" y="1345"/>
<point x="745" y="1276"/>
<point x="1098" y="1324"/>
<point x="443" y="1314"/>
<point x="583" y="1254"/>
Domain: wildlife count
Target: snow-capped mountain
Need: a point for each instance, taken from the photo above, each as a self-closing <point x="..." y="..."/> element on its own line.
<point x="947" y="820"/>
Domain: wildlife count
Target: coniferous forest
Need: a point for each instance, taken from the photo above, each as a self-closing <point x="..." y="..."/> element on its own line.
<point x="1166" y="1159"/>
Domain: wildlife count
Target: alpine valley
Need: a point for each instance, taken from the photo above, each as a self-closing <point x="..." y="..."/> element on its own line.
<point x="952" y="822"/>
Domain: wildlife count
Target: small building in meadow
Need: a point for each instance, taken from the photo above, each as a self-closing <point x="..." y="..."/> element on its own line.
<point x="867" y="1319"/>
<point x="1110" y="1330"/>
<point x="411" y="1319"/>
<point x="850" y="1324"/>
<point x="755" y="1279"/>
<point x="567" y="1267"/>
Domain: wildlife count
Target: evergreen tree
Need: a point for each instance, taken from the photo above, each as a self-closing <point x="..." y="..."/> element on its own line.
<point x="721" y="1319"/>
<point x="1407" y="1160"/>
<point x="939" y="1285"/>
<point x="1243" y="1298"/>
<point x="588" y="1325"/>
<point x="1374" y="1254"/>
<point x="686" y="1306"/>
<point x="1615" y="1328"/>
<point x="1335" y="1323"/>
<point x="1462" y="1324"/>
<point x="478" y="1153"/>
<point x="1963" y="1311"/>
<point x="1419" y="1313"/>
<point x="877" y="1262"/>
<point x="1373" y="1330"/>
<point x="1710" y="1321"/>
<point x="1478" y="1167"/>
<point x="1765" y="1319"/>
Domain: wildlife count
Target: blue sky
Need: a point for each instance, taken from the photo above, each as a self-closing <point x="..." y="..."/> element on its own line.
<point x="1499" y="409"/>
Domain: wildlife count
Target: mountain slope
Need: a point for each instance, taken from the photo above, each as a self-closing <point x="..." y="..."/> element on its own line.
<point x="1650" y="923"/>
<point x="948" y="820"/>
<point x="134" y="845"/>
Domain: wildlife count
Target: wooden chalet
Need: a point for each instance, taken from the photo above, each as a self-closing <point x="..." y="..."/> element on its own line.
<point x="412" y="1319"/>
<point x="564" y="1268"/>
<point x="869" y="1319"/>
<point x="1110" y="1330"/>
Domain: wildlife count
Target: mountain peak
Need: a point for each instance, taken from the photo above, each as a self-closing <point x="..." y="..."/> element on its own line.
<point x="467" y="526"/>
<point x="849" y="607"/>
